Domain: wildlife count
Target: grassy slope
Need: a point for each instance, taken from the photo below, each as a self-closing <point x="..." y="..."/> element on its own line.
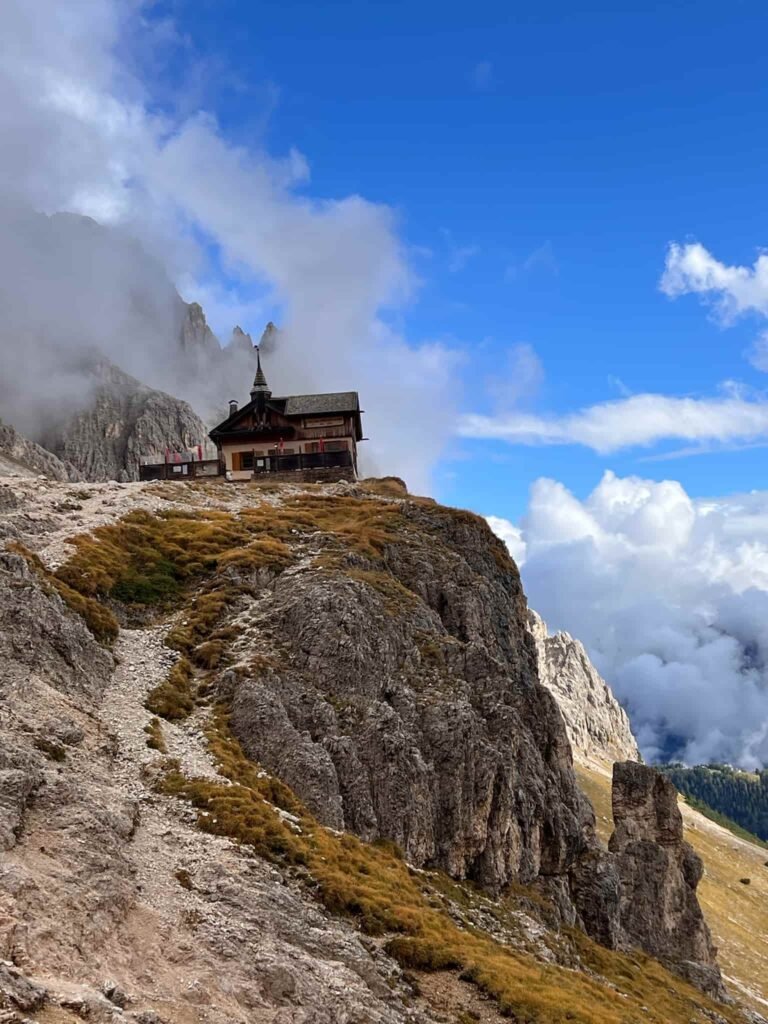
<point x="182" y="561"/>
<point x="737" y="913"/>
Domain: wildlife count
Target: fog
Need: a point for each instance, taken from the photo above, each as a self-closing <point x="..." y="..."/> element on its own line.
<point x="670" y="596"/>
<point x="179" y="208"/>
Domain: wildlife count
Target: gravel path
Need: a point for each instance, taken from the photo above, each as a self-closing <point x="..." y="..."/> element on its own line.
<point x="143" y="662"/>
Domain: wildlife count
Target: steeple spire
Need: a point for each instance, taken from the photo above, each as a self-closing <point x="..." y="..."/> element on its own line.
<point x="260" y="386"/>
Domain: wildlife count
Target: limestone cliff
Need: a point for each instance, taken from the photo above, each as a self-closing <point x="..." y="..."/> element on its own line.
<point x="123" y="420"/>
<point x="310" y="750"/>
<point x="659" y="875"/>
<point x="20" y="456"/>
<point x="597" y="725"/>
<point x="197" y="342"/>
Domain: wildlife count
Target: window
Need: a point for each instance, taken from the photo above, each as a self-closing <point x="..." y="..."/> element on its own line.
<point x="313" y="447"/>
<point x="242" y="460"/>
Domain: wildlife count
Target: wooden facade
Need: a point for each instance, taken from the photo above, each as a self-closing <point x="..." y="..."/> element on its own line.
<point x="315" y="433"/>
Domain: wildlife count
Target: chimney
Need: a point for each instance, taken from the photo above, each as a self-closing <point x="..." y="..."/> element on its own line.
<point x="232" y="406"/>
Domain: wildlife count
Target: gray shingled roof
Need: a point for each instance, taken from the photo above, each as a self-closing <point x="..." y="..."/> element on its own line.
<point x="334" y="402"/>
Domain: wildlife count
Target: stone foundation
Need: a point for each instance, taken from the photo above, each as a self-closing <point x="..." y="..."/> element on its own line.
<point x="307" y="476"/>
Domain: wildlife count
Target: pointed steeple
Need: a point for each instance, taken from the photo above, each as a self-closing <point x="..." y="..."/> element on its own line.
<point x="260" y="386"/>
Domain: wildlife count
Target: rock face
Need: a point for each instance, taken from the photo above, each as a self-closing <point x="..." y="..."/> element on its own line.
<point x="659" y="873"/>
<point x="597" y="725"/>
<point x="124" y="420"/>
<point x="196" y="339"/>
<point x="91" y="900"/>
<point x="412" y="709"/>
<point x="387" y="675"/>
<point x="21" y="457"/>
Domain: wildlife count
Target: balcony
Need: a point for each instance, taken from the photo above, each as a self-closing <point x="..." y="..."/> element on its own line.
<point x="315" y="460"/>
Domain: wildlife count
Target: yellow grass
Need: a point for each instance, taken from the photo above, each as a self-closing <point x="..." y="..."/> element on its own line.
<point x="100" y="620"/>
<point x="174" y="698"/>
<point x="374" y="887"/>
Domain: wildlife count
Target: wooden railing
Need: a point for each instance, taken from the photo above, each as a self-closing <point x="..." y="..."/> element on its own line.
<point x="190" y="470"/>
<point x="315" y="460"/>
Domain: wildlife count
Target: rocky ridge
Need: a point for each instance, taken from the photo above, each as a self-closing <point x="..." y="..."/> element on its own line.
<point x="20" y="456"/>
<point x="435" y="680"/>
<point x="597" y="725"/>
<point x="124" y="420"/>
<point x="114" y="906"/>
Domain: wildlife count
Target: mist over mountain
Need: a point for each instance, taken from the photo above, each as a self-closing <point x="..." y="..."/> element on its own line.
<point x="669" y="595"/>
<point x="74" y="293"/>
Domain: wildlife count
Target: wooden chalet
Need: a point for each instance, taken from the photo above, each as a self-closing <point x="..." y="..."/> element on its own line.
<point x="314" y="436"/>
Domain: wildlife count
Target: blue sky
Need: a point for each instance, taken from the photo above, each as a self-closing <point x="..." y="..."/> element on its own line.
<point x="539" y="163"/>
<point x="531" y="239"/>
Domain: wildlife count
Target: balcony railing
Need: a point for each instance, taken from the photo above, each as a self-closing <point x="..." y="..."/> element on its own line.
<point x="192" y="469"/>
<point x="315" y="460"/>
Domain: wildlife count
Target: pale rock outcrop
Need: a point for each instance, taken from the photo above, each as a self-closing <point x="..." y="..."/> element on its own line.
<point x="123" y="421"/>
<point x="659" y="873"/>
<point x="240" y="342"/>
<point x="21" y="457"/>
<point x="399" y="697"/>
<point x="196" y="339"/>
<point x="416" y="714"/>
<point x="597" y="725"/>
<point x="94" y="923"/>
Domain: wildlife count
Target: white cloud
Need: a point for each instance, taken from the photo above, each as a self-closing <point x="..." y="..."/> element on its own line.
<point x="542" y="259"/>
<point x="638" y="420"/>
<point x="511" y="535"/>
<point x="81" y="133"/>
<point x="733" y="290"/>
<point x="670" y="595"/>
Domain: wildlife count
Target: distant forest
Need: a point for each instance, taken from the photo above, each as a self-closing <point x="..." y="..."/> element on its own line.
<point x="739" y="796"/>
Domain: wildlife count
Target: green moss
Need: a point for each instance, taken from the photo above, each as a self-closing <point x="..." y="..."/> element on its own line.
<point x="158" y="584"/>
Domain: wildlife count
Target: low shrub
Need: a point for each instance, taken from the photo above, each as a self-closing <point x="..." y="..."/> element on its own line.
<point x="173" y="698"/>
<point x="155" y="738"/>
<point x="99" y="620"/>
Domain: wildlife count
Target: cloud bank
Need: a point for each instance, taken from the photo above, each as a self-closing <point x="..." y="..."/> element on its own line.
<point x="670" y="596"/>
<point x="636" y="421"/>
<point x="84" y="133"/>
